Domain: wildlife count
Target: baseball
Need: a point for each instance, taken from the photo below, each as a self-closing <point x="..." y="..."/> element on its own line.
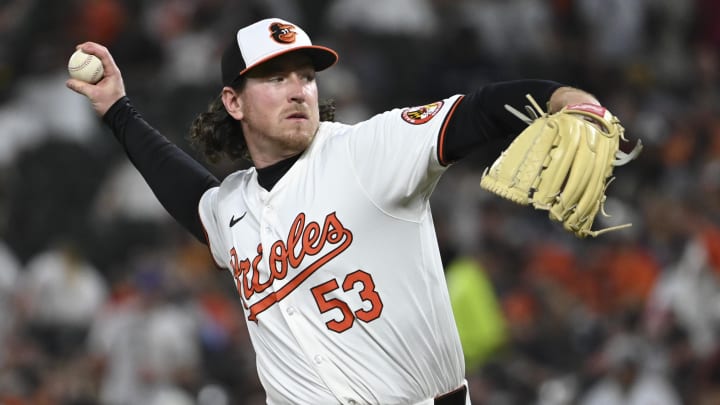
<point x="85" y="67"/>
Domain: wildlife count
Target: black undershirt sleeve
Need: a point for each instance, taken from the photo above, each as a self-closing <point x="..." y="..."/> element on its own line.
<point x="177" y="179"/>
<point x="481" y="118"/>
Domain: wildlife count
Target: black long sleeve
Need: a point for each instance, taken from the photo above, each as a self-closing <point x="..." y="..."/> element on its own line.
<point x="177" y="179"/>
<point x="481" y="117"/>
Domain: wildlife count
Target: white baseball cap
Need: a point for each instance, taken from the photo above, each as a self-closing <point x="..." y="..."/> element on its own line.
<point x="267" y="39"/>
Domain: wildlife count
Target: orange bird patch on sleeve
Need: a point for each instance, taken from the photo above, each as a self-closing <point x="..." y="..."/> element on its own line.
<point x="421" y="114"/>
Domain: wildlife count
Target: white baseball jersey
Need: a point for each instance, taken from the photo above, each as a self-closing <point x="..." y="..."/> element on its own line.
<point x="338" y="266"/>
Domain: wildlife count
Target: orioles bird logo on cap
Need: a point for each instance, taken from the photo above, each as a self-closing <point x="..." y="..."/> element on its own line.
<point x="282" y="33"/>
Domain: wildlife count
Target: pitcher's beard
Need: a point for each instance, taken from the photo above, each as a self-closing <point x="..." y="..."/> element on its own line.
<point x="298" y="140"/>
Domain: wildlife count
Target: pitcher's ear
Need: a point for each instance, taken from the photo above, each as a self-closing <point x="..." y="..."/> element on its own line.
<point x="233" y="103"/>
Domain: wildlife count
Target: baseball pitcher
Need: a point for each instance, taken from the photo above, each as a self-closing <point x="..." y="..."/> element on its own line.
<point x="329" y="235"/>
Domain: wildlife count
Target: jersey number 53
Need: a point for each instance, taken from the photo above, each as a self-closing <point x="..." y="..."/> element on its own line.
<point x="366" y="291"/>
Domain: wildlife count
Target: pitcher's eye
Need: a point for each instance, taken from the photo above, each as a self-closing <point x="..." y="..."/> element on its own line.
<point x="307" y="74"/>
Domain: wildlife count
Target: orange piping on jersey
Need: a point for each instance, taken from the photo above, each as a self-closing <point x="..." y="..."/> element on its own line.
<point x="312" y="242"/>
<point x="441" y="137"/>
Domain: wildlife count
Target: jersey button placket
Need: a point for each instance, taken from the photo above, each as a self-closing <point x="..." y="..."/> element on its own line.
<point x="296" y="324"/>
<point x="267" y="220"/>
<point x="268" y="217"/>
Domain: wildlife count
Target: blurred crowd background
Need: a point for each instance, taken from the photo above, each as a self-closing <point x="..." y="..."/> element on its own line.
<point x="105" y="300"/>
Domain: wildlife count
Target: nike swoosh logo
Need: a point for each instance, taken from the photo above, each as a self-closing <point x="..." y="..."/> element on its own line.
<point x="234" y="221"/>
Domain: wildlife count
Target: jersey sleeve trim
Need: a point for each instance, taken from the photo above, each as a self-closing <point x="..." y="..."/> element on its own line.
<point x="441" y="136"/>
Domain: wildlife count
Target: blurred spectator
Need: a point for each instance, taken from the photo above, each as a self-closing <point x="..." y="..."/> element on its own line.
<point x="405" y="18"/>
<point x="145" y="340"/>
<point x="620" y="269"/>
<point x="33" y="115"/>
<point x="510" y="31"/>
<point x="228" y="357"/>
<point x="690" y="293"/>
<point x="377" y="36"/>
<point x="125" y="195"/>
<point x="622" y="44"/>
<point x="628" y="381"/>
<point x="478" y="315"/>
<point x="60" y="293"/>
<point x="100" y="20"/>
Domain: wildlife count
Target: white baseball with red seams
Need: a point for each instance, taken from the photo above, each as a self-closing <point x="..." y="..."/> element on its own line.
<point x="85" y="67"/>
<point x="338" y="266"/>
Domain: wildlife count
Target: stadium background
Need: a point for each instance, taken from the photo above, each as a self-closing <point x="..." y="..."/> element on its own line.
<point x="104" y="299"/>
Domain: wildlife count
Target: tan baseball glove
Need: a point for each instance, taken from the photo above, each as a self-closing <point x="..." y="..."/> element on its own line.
<point x="562" y="163"/>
